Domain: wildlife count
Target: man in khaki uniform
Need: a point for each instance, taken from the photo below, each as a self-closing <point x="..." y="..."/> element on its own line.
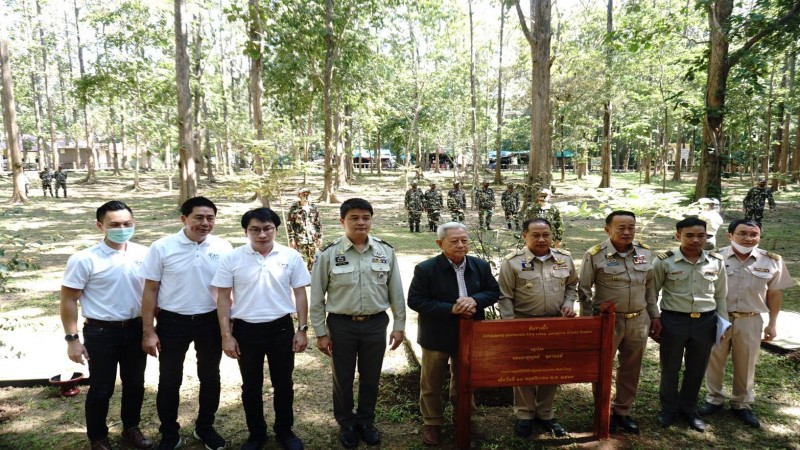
<point x="621" y="271"/>
<point x="693" y="286"/>
<point x="755" y="280"/>
<point x="355" y="280"/>
<point x="537" y="281"/>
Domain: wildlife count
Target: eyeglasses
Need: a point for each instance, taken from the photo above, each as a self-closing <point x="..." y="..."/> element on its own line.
<point x="257" y="231"/>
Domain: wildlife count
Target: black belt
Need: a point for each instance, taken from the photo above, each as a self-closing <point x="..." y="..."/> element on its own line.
<point x="94" y="323"/>
<point x="187" y="317"/>
<point x="693" y="315"/>
<point x="356" y="318"/>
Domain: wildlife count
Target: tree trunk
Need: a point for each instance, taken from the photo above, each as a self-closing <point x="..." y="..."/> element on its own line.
<point x="91" y="176"/>
<point x="499" y="132"/>
<point x="476" y="160"/>
<point x="768" y="135"/>
<point x="676" y="173"/>
<point x="665" y="151"/>
<point x="327" y="195"/>
<point x="197" y="96"/>
<point x="188" y="176"/>
<point x="348" y="143"/>
<point x="255" y="51"/>
<point x="796" y="156"/>
<point x="48" y="97"/>
<point x="10" y="125"/>
<point x="790" y="61"/>
<point x="541" y="146"/>
<point x="605" y="160"/>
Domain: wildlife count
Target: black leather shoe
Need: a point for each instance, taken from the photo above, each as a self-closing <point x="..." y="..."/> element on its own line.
<point x="253" y="443"/>
<point x="369" y="434"/>
<point x="523" y="427"/>
<point x="695" y="422"/>
<point x="747" y="416"/>
<point x="552" y="426"/>
<point x="707" y="409"/>
<point x="289" y="441"/>
<point x="348" y="437"/>
<point x="624" y="422"/>
<point x="666" y="419"/>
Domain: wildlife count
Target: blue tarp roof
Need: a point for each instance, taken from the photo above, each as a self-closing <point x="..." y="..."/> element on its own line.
<point x="565" y="154"/>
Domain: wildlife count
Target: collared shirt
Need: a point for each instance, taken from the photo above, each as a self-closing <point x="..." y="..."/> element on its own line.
<point x="532" y="287"/>
<point x="346" y="281"/>
<point x="626" y="281"/>
<point x="262" y="285"/>
<point x="459" y="268"/>
<point x="185" y="270"/>
<point x="691" y="287"/>
<point x="749" y="280"/>
<point x="110" y="279"/>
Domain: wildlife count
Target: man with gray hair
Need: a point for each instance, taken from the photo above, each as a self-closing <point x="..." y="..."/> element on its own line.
<point x="446" y="288"/>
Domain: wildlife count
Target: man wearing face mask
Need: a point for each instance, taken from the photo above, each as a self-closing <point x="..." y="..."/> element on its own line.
<point x="105" y="280"/>
<point x="755" y="280"/>
<point x="178" y="270"/>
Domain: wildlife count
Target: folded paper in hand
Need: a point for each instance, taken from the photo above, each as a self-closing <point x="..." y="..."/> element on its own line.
<point x="722" y="327"/>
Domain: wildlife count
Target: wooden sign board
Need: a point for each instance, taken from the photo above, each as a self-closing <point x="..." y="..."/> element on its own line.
<point x="524" y="352"/>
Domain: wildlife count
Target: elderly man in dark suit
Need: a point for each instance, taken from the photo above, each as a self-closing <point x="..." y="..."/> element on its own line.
<point x="445" y="289"/>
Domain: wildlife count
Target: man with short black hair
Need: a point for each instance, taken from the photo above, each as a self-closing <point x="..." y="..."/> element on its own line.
<point x="105" y="280"/>
<point x="178" y="271"/>
<point x="693" y="285"/>
<point x="256" y="321"/>
<point x="755" y="280"/>
<point x="355" y="280"/>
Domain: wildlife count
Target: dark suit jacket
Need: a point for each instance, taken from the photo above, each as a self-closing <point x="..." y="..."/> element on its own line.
<point x="434" y="291"/>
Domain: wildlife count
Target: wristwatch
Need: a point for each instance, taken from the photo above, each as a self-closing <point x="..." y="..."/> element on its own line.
<point x="71" y="337"/>
<point x="303" y="328"/>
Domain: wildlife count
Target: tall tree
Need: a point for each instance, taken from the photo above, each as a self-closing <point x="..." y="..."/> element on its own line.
<point x="538" y="37"/>
<point x="10" y="124"/>
<point x="91" y="176"/>
<point x="605" y="159"/>
<point x="188" y="175"/>
<point x="473" y="116"/>
<point x="46" y="77"/>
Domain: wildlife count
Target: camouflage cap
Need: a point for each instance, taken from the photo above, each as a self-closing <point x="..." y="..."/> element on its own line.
<point x="413" y="182"/>
<point x="486" y="182"/>
<point x="510" y="184"/>
<point x="304" y="190"/>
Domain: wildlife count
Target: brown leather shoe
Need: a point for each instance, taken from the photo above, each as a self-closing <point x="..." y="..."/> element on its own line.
<point x="101" y="444"/>
<point x="134" y="436"/>
<point x="432" y="434"/>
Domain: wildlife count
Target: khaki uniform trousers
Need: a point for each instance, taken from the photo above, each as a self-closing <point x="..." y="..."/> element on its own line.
<point x="431" y="380"/>
<point x="630" y="340"/>
<point x="744" y="346"/>
<point x="534" y="401"/>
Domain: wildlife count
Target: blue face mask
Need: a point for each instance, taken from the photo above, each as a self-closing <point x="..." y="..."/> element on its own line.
<point x="120" y="235"/>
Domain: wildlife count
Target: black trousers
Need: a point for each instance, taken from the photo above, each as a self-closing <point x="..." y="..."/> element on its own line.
<point x="273" y="339"/>
<point x="107" y="348"/>
<point x="360" y="344"/>
<point x="176" y="332"/>
<point x="688" y="342"/>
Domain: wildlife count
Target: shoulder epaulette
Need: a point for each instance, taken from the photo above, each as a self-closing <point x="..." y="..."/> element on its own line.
<point x="329" y="244"/>
<point x="562" y="251"/>
<point x="594" y="250"/>
<point x="642" y="244"/>
<point x="383" y="242"/>
<point x="514" y="253"/>
<point x="665" y="255"/>
<point x="774" y="256"/>
<point x="716" y="255"/>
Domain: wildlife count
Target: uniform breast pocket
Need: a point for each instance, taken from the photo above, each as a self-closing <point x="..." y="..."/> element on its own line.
<point x="528" y="279"/>
<point x="640" y="272"/>
<point x="613" y="274"/>
<point x="762" y="274"/>
<point x="343" y="275"/>
<point x="560" y="279"/>
<point x="380" y="272"/>
<point x="677" y="278"/>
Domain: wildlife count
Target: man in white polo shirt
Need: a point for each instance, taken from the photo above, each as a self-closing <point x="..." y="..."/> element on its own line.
<point x="178" y="270"/>
<point x="257" y="321"/>
<point x="105" y="279"/>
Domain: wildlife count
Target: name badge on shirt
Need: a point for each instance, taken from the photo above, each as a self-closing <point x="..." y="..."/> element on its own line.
<point x="527" y="266"/>
<point x="341" y="260"/>
<point x="213" y="256"/>
<point x="379" y="258"/>
<point x="639" y="259"/>
<point x="761" y="269"/>
<point x="560" y="265"/>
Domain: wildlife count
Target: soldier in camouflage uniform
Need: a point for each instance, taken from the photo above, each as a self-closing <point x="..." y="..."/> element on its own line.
<point x="510" y="203"/>
<point x="485" y="200"/>
<point x="415" y="204"/>
<point x="542" y="208"/>
<point x="47" y="181"/>
<point x="457" y="202"/>
<point x="433" y="205"/>
<point x="61" y="180"/>
<point x="754" y="201"/>
<point x="304" y="227"/>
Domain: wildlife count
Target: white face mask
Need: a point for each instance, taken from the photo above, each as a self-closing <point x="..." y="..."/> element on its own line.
<point x="743" y="249"/>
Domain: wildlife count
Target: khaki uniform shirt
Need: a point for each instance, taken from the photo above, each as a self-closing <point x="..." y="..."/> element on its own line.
<point x="530" y="287"/>
<point x="627" y="281"/>
<point x="749" y="280"/>
<point x="687" y="287"/>
<point x="346" y="281"/>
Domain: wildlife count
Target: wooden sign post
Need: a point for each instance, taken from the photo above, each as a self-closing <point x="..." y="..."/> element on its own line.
<point x="523" y="352"/>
